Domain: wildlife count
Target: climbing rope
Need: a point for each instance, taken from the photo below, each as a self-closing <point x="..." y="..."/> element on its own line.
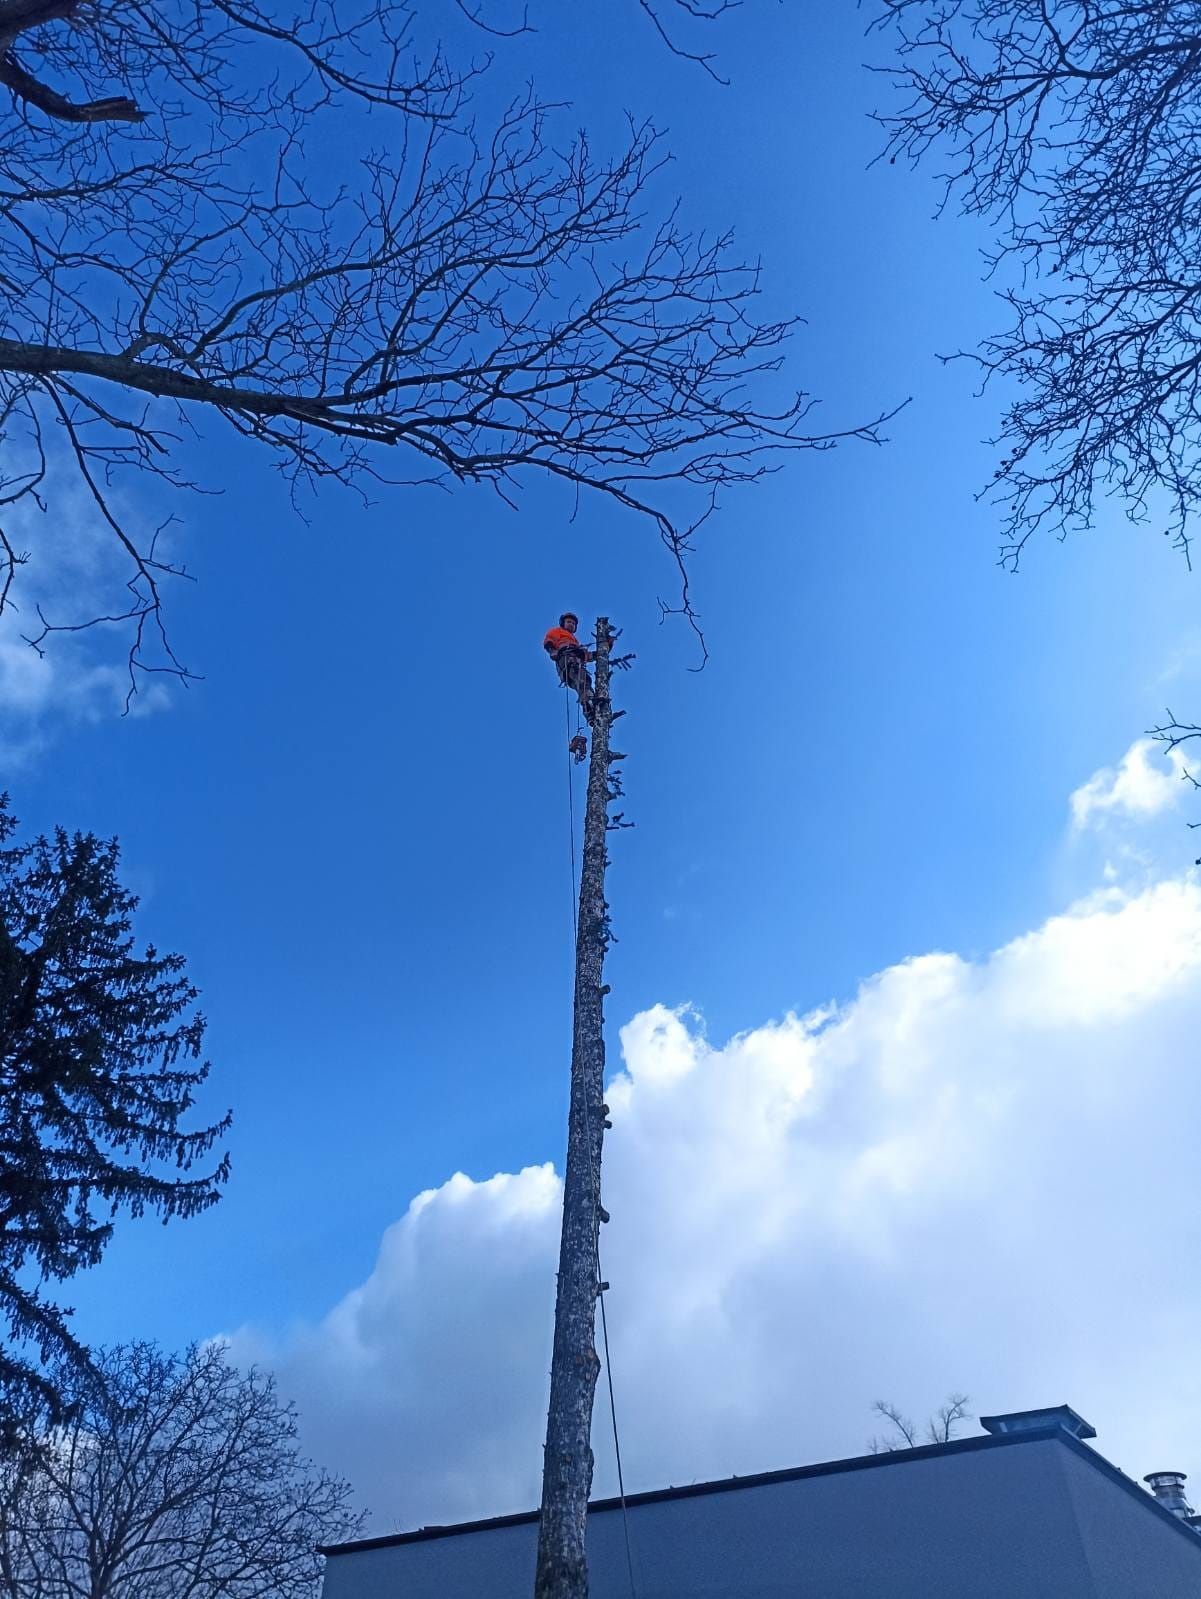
<point x="593" y="1174"/>
<point x="571" y="817"/>
<point x="621" y="1486"/>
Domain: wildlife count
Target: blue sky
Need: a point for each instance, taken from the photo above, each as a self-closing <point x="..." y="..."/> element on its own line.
<point x="355" y="826"/>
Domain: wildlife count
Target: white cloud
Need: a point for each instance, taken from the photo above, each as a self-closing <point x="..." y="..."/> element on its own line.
<point x="62" y="680"/>
<point x="976" y="1174"/>
<point x="1144" y="783"/>
<point x="72" y="572"/>
<point x="423" y="1381"/>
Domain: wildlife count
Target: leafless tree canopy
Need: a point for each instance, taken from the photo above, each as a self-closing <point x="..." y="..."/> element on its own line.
<point x="1073" y="124"/>
<point x="184" y="1480"/>
<point x="302" y="217"/>
<point x="904" y="1433"/>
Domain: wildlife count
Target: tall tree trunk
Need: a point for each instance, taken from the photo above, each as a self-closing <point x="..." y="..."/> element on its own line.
<point x="562" y="1571"/>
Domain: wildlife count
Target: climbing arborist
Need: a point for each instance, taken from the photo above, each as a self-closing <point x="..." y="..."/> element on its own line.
<point x="571" y="658"/>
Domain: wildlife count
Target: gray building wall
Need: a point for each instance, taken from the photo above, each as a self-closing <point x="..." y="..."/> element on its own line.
<point x="1126" y="1549"/>
<point x="1029" y="1520"/>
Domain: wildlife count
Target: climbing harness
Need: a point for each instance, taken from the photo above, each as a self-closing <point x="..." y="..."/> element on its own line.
<point x="571" y="663"/>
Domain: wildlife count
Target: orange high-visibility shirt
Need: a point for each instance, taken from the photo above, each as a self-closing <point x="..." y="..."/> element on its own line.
<point x="557" y="637"/>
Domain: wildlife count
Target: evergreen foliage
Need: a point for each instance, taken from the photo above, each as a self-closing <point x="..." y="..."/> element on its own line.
<point x="99" y="1065"/>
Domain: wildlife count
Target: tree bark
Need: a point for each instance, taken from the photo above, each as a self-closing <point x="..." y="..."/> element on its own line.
<point x="562" y="1571"/>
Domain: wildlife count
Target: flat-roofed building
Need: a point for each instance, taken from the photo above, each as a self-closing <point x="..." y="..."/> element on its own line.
<point x="1027" y="1511"/>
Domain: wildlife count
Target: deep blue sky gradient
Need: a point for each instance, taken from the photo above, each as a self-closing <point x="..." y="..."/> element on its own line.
<point x="355" y="826"/>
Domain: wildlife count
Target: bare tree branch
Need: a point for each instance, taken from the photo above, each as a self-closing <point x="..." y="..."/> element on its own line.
<point x="1072" y="124"/>
<point x="904" y="1430"/>
<point x="940" y="1429"/>
<point x="904" y="1433"/>
<point x="483" y="304"/>
<point x="258" y="248"/>
<point x="698" y="10"/>
<point x="177" y="1478"/>
<point x="1172" y="734"/>
<point x="689" y="10"/>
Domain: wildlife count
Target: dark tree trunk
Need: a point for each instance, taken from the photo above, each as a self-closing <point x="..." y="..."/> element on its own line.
<point x="567" y="1463"/>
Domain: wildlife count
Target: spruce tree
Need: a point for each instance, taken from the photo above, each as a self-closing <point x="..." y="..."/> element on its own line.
<point x="99" y="1066"/>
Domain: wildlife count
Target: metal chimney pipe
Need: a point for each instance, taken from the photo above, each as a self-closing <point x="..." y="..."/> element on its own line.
<point x="1168" y="1488"/>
